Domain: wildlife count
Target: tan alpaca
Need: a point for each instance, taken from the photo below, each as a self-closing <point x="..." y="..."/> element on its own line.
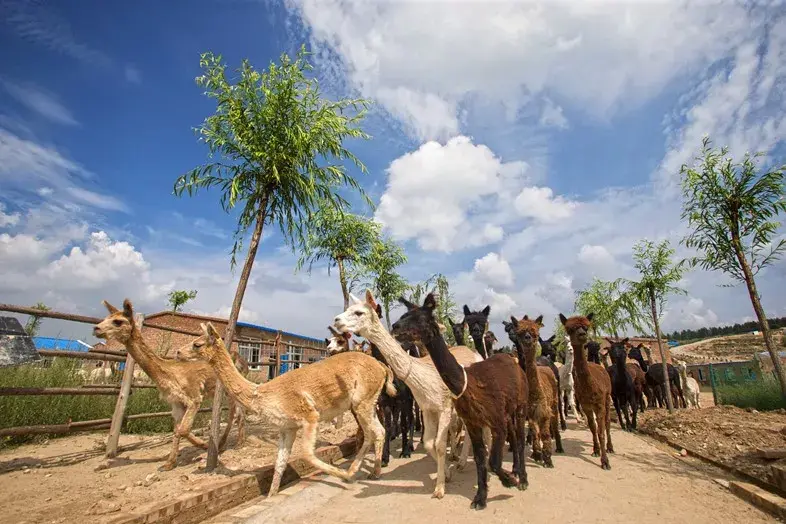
<point x="419" y="374"/>
<point x="543" y="415"/>
<point x="303" y="397"/>
<point x="182" y="385"/>
<point x="593" y="387"/>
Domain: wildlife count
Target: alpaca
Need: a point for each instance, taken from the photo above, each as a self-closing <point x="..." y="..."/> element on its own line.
<point x="689" y="386"/>
<point x="492" y="393"/>
<point x="181" y="384"/>
<point x="458" y="331"/>
<point x="593" y="352"/>
<point x="623" y="390"/>
<point x="548" y="358"/>
<point x="338" y="342"/>
<point x="543" y="391"/>
<point x="639" y="379"/>
<point x="478" y="324"/>
<point x="419" y="374"/>
<point x="649" y="389"/>
<point x="593" y="388"/>
<point x="566" y="382"/>
<point x="488" y="342"/>
<point x="303" y="397"/>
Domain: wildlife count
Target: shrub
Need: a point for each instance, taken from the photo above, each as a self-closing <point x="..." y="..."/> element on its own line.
<point x="763" y="395"/>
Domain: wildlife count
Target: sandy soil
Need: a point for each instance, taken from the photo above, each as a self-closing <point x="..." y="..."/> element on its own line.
<point x="57" y="482"/>
<point x="732" y="347"/>
<point x="727" y="434"/>
<point x="576" y="491"/>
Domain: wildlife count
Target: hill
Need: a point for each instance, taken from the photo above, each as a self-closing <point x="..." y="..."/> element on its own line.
<point x="732" y="347"/>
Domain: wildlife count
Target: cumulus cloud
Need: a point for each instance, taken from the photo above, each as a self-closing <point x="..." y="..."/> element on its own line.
<point x="541" y="204"/>
<point x="494" y="270"/>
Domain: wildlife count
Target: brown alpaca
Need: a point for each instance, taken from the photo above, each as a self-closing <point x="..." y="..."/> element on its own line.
<point x="489" y="394"/>
<point x="543" y="414"/>
<point x="639" y="378"/>
<point x="593" y="387"/>
<point x="303" y="397"/>
<point x="181" y="384"/>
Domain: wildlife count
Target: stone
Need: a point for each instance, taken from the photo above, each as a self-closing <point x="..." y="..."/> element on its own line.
<point x="683" y="452"/>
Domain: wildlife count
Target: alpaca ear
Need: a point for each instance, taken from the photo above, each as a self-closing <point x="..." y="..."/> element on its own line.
<point x="486" y="311"/>
<point x="355" y="299"/>
<point x="526" y="317"/>
<point x="450" y="320"/>
<point x="128" y="309"/>
<point x="333" y="331"/>
<point x="212" y="334"/>
<point x="370" y="300"/>
<point x="551" y="338"/>
<point x="589" y="316"/>
<point x="407" y="304"/>
<point x="562" y="319"/>
<point x="327" y="341"/>
<point x="379" y="310"/>
<point x="609" y="340"/>
<point x="539" y="320"/>
<point x="467" y="312"/>
<point x="430" y="302"/>
<point x="513" y="320"/>
<point x="109" y="307"/>
<point x="625" y="340"/>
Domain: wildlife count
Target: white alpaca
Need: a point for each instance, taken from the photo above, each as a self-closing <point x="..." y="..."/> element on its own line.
<point x="690" y="388"/>
<point x="566" y="379"/>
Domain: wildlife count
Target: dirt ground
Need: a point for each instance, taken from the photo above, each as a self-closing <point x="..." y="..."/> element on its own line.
<point x="57" y="482"/>
<point x="732" y="347"/>
<point x="727" y="434"/>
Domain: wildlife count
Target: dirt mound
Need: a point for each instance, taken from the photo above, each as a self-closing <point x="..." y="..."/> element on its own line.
<point x="726" y="434"/>
<point x="733" y="347"/>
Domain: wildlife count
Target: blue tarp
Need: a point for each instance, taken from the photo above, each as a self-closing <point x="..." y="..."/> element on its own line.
<point x="62" y="344"/>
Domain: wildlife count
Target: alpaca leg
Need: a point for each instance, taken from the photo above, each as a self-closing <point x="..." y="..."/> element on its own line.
<point x="479" y="451"/>
<point x="593" y="426"/>
<point x="366" y="416"/>
<point x="557" y="436"/>
<point x="285" y="440"/>
<point x="634" y="406"/>
<point x="537" y="445"/>
<point x="441" y="446"/>
<point x="601" y="415"/>
<point x="617" y="409"/>
<point x="545" y="441"/>
<point x="310" y="428"/>
<point x="465" y="445"/>
<point x="406" y="428"/>
<point x="495" y="457"/>
<point x="624" y="408"/>
<point x="574" y="407"/>
<point x="388" y="416"/>
<point x="609" y="446"/>
<point x="521" y="450"/>
<point x="430" y="425"/>
<point x="563" y="424"/>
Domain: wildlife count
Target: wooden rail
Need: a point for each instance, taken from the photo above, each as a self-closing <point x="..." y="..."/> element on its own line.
<point x="4" y="392"/>
<point x="84" y="355"/>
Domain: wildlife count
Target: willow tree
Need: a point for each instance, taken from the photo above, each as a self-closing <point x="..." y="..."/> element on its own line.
<point x="732" y="210"/>
<point x="659" y="276"/>
<point x="276" y="152"/>
<point x="380" y="267"/>
<point x="446" y="303"/>
<point x="34" y="322"/>
<point x="179" y="297"/>
<point x="341" y="239"/>
<point x="614" y="309"/>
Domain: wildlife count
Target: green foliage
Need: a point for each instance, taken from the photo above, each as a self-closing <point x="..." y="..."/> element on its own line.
<point x="278" y="144"/>
<point x="732" y="210"/>
<point x="179" y="297"/>
<point x="614" y="308"/>
<point x="57" y="409"/>
<point x="446" y="303"/>
<point x="34" y="322"/>
<point x="763" y="395"/>
<point x="379" y="268"/>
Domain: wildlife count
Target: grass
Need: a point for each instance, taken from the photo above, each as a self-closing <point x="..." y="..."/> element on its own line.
<point x="58" y="409"/>
<point x="763" y="395"/>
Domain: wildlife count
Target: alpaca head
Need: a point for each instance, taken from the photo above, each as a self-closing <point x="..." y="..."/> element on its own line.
<point x="338" y="342"/>
<point x="617" y="350"/>
<point x="635" y="353"/>
<point x="477" y="321"/>
<point x="458" y="330"/>
<point x="490" y="337"/>
<point x="360" y="317"/>
<point x="419" y="325"/>
<point x="577" y="328"/>
<point x="683" y="368"/>
<point x="204" y="347"/>
<point x="527" y="330"/>
<point x="547" y="348"/>
<point x="118" y="325"/>
<point x="593" y="351"/>
<point x="510" y="329"/>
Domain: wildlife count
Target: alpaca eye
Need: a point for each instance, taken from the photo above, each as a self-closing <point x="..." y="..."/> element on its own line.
<point x="117" y="322"/>
<point x="358" y="313"/>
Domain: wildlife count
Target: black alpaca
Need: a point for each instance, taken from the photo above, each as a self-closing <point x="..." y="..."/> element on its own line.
<point x="477" y="322"/>
<point x="458" y="331"/>
<point x="623" y="391"/>
<point x="656" y="387"/>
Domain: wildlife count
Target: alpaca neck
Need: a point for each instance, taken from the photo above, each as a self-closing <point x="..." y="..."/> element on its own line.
<point x="480" y="346"/>
<point x="580" y="359"/>
<point x="145" y="357"/>
<point x="683" y="376"/>
<point x="643" y="364"/>
<point x="240" y="389"/>
<point x="488" y="346"/>
<point x="395" y="356"/>
<point x="569" y="359"/>
<point x="527" y="360"/>
<point x="449" y="369"/>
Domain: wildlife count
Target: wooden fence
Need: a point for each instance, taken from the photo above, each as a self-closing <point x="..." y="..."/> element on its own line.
<point x="122" y="391"/>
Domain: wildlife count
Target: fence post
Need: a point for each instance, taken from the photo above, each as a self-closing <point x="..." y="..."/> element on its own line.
<point x="122" y="400"/>
<point x="712" y="383"/>
<point x="277" y="370"/>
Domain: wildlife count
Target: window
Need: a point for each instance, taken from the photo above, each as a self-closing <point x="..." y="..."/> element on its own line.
<point x="294" y="353"/>
<point x="701" y="375"/>
<point x="251" y="351"/>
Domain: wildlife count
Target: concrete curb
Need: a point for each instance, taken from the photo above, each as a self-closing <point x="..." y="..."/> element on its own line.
<point x="196" y="507"/>
<point x="764" y="500"/>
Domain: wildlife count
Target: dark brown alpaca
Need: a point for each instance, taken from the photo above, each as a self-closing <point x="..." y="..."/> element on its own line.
<point x="543" y="412"/>
<point x="492" y="393"/>
<point x="639" y="378"/>
<point x="593" y="387"/>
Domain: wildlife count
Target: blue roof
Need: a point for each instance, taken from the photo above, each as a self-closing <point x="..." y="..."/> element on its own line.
<point x="274" y="331"/>
<point x="60" y="343"/>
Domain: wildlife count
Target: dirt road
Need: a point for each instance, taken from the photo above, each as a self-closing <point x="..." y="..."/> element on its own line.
<point x="647" y="484"/>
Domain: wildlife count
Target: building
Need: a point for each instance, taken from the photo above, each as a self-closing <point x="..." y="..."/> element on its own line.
<point x="16" y="347"/>
<point x="651" y="343"/>
<point x="60" y="344"/>
<point x="729" y="372"/>
<point x="254" y="342"/>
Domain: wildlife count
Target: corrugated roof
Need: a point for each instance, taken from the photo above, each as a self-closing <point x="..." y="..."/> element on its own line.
<point x="274" y="331"/>
<point x="63" y="344"/>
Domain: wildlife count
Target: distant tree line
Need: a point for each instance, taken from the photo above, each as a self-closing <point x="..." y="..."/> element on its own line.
<point x="719" y="331"/>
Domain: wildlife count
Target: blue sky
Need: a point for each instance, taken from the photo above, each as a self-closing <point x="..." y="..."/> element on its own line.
<point x="520" y="148"/>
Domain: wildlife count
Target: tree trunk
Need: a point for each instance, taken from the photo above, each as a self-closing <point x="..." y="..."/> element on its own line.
<point x="656" y="323"/>
<point x="387" y="315"/>
<point x="229" y="335"/>
<point x="762" y="318"/>
<point x="342" y="277"/>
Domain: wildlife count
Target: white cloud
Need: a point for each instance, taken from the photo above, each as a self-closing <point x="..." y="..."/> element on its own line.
<point x="42" y="102"/>
<point x="597" y="57"/>
<point x="433" y="192"/>
<point x="6" y="219"/>
<point x="552" y="116"/>
<point x="541" y="204"/>
<point x="595" y="255"/>
<point x="494" y="270"/>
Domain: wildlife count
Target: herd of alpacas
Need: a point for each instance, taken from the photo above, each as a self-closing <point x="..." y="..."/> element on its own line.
<point x="409" y="378"/>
